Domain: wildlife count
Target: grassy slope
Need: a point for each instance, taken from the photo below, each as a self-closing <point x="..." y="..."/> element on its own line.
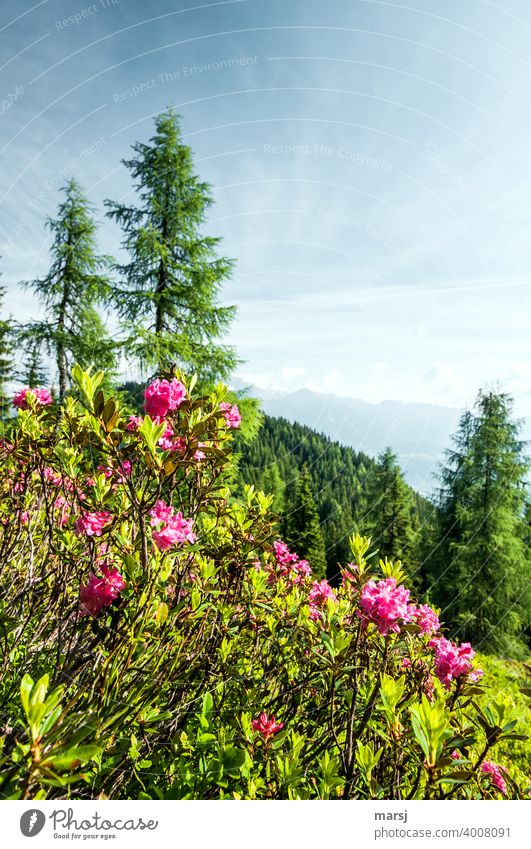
<point x="506" y="677"/>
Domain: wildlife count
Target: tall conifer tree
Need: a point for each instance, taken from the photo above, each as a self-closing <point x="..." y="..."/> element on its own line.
<point x="76" y="282"/>
<point x="167" y="294"/>
<point x="482" y="566"/>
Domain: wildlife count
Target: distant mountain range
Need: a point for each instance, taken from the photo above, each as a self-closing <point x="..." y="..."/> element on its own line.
<point x="418" y="433"/>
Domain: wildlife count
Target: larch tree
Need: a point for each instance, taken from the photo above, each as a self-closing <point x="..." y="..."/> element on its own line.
<point x="167" y="296"/>
<point x="484" y="581"/>
<point x="69" y="293"/>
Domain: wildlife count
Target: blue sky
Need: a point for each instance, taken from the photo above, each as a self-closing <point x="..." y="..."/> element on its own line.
<point x="370" y="163"/>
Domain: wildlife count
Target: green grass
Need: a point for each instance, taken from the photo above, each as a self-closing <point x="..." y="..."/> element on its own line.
<point x="506" y="677"/>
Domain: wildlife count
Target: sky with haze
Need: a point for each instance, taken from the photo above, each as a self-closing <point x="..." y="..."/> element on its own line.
<point x="370" y="164"/>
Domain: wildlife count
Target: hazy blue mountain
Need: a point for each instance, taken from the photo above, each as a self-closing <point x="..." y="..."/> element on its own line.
<point x="418" y="433"/>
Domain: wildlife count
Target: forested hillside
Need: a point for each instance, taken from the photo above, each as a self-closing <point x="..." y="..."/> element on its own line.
<point x="350" y="490"/>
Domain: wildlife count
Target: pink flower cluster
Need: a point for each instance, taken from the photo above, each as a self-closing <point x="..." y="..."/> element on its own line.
<point x="385" y="604"/>
<point x="172" y="528"/>
<point x="320" y="593"/>
<point x="452" y="661"/>
<point x="161" y="396"/>
<point x="288" y="564"/>
<point x="100" y="592"/>
<point x="425" y="618"/>
<point x="134" y="423"/>
<point x="24" y="396"/>
<point x="232" y="414"/>
<point x="493" y="771"/>
<point x="92" y="524"/>
<point x="266" y="726"/>
<point x="52" y="477"/>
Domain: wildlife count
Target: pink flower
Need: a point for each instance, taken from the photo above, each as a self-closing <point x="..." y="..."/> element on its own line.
<point x="232" y="414"/>
<point x="177" y="531"/>
<point x="52" y="477"/>
<point x="265" y="726"/>
<point x="425" y="618"/>
<point x="161" y="512"/>
<point x="120" y="473"/>
<point x="451" y="660"/>
<point x="320" y="593"/>
<point x="475" y="675"/>
<point x="385" y="604"/>
<point x="134" y="423"/>
<point x="288" y="564"/>
<point x="25" y="517"/>
<point x="493" y="771"/>
<point x="302" y="570"/>
<point x="406" y="663"/>
<point x="166" y="441"/>
<point x="284" y="556"/>
<point x="456" y="755"/>
<point x="161" y="396"/>
<point x="100" y="592"/>
<point x="198" y="454"/>
<point x="91" y="524"/>
<point x="24" y="398"/>
<point x="173" y="528"/>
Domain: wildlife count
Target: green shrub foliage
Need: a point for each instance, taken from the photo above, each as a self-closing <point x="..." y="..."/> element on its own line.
<point x="160" y="641"/>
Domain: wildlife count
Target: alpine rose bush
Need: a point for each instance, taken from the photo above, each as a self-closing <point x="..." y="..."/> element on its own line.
<point x="161" y="642"/>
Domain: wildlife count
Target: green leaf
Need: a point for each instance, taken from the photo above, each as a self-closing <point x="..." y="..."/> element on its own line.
<point x="72" y="758"/>
<point x="232" y="759"/>
<point x="26" y="687"/>
<point x="161" y="613"/>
